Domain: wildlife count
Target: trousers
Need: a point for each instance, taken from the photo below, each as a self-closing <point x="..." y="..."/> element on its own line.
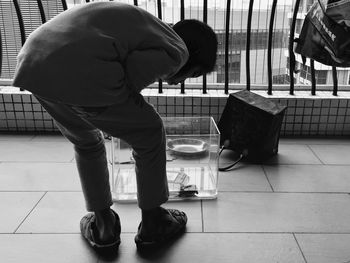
<point x="136" y="122"/>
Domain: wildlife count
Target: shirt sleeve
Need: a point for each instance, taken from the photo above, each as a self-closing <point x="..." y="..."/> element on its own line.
<point x="143" y="67"/>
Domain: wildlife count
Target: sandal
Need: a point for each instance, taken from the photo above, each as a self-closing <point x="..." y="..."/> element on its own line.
<point x="170" y="223"/>
<point x="87" y="229"/>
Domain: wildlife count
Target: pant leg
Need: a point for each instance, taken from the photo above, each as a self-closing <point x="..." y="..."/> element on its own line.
<point x="90" y="153"/>
<point x="137" y="123"/>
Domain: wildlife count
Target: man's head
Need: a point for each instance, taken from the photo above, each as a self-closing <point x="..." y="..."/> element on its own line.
<point x="202" y="45"/>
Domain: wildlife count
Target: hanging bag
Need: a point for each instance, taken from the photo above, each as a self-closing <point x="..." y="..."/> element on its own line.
<point x="325" y="35"/>
<point x="250" y="126"/>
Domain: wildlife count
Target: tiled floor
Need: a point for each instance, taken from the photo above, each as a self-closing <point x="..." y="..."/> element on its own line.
<point x="294" y="208"/>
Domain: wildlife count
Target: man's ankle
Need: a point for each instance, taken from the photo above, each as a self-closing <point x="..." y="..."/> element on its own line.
<point x="104" y="218"/>
<point x="105" y="224"/>
<point x="150" y="216"/>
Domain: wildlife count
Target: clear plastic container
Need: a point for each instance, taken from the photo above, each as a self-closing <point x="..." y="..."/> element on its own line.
<point x="192" y="161"/>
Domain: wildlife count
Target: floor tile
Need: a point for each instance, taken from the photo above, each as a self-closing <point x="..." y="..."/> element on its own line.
<point x="28" y="151"/>
<point x="29" y="176"/>
<point x="332" y="154"/>
<point x="309" y="178"/>
<point x="294" y="154"/>
<point x="244" y="177"/>
<point x="213" y="247"/>
<point x="57" y="212"/>
<point x="19" y="248"/>
<point x="325" y="248"/>
<point x="60" y="212"/>
<point x="14" y="207"/>
<point x="277" y="212"/>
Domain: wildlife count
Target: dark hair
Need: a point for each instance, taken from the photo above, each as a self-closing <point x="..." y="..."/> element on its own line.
<point x="201" y="43"/>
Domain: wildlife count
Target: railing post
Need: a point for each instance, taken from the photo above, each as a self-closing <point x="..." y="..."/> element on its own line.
<point x="0" y="54"/>
<point x="182" y="17"/>
<point x="21" y="24"/>
<point x="291" y="45"/>
<point x="269" y="47"/>
<point x="313" y="77"/>
<point x="249" y="28"/>
<point x="20" y="21"/>
<point x="42" y="12"/>
<point x="335" y="81"/>
<point x="227" y="38"/>
<point x="159" y="5"/>
<point x="64" y="5"/>
<point x="205" y="20"/>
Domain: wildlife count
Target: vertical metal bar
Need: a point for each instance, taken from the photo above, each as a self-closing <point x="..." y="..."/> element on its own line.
<point x="42" y="12"/>
<point x="0" y="54"/>
<point x="269" y="47"/>
<point x="227" y="38"/>
<point x="21" y="24"/>
<point x="64" y="5"/>
<point x="257" y="42"/>
<point x="182" y="17"/>
<point x="313" y="77"/>
<point x="249" y="28"/>
<point x="87" y="1"/>
<point x="159" y="5"/>
<point x="20" y="21"/>
<point x="136" y="3"/>
<point x="205" y="20"/>
<point x="182" y="10"/>
<point x="291" y="45"/>
<point x="335" y="81"/>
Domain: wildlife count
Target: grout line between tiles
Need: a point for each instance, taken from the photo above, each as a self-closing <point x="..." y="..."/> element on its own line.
<point x="35" y="162"/>
<point x="315" y="154"/>
<point x="283" y="192"/>
<point x="301" y="251"/>
<point x="36" y="191"/>
<point x="202" y="216"/>
<point x="32" y="138"/>
<point x="29" y="212"/>
<point x="267" y="178"/>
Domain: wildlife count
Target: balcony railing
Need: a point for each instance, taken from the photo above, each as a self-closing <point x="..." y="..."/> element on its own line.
<point x="255" y="41"/>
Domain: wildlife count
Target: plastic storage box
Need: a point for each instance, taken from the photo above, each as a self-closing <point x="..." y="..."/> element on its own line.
<point x="192" y="161"/>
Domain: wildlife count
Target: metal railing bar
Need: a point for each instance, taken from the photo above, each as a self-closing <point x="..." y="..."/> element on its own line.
<point x="64" y="5"/>
<point x="313" y="77"/>
<point x="205" y="20"/>
<point x="269" y="47"/>
<point x="283" y="30"/>
<point x="227" y="37"/>
<point x="135" y="3"/>
<point x="182" y="17"/>
<point x="159" y="9"/>
<point x="266" y="26"/>
<point x="0" y="54"/>
<point x="42" y="12"/>
<point x="21" y="24"/>
<point x="256" y="43"/>
<point x="249" y="29"/>
<point x="20" y="21"/>
<point x="159" y="6"/>
<point x="335" y="81"/>
<point x="291" y="45"/>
